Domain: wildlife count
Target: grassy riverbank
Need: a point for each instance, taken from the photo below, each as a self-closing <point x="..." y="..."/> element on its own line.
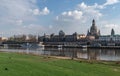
<point x="12" y="64"/>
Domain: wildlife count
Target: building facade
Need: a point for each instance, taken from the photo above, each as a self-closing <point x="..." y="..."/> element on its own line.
<point x="111" y="37"/>
<point x="110" y="40"/>
<point x="61" y="37"/>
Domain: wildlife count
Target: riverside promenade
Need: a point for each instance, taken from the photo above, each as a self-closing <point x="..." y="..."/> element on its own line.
<point x="84" y="46"/>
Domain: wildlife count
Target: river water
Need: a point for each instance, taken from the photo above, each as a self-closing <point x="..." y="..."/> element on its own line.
<point x="90" y="54"/>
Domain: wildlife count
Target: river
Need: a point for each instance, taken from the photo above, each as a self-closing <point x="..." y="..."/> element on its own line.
<point x="90" y="54"/>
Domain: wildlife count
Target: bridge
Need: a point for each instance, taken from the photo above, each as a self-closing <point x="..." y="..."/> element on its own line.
<point x="15" y="44"/>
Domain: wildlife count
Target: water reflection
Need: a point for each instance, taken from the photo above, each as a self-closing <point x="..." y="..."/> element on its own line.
<point x="90" y="54"/>
<point x="37" y="51"/>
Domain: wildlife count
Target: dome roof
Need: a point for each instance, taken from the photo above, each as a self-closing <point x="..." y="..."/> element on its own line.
<point x="75" y="33"/>
<point x="61" y="33"/>
<point x="93" y="28"/>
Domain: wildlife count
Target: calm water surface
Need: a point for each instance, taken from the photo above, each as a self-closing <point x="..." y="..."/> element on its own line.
<point x="90" y="54"/>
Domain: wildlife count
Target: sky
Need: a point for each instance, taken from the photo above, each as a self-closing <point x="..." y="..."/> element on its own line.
<point x="50" y="16"/>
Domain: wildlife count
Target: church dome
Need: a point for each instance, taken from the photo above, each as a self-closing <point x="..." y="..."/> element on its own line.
<point x="93" y="30"/>
<point x="61" y="33"/>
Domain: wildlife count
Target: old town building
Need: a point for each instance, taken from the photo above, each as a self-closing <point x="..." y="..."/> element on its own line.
<point x="111" y="37"/>
<point x="61" y="37"/>
<point x="93" y="30"/>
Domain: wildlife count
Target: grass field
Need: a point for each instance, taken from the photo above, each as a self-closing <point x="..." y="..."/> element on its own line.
<point x="13" y="64"/>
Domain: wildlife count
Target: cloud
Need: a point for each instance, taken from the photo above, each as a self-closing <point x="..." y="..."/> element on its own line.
<point x="26" y="16"/>
<point x="83" y="12"/>
<point x="111" y="2"/>
<point x="111" y="26"/>
<point x="14" y="14"/>
<point x="29" y="29"/>
<point x="90" y="11"/>
<point x="44" y="11"/>
<point x="70" y="15"/>
<point x="19" y="22"/>
<point x="79" y="19"/>
<point x="107" y="3"/>
<point x="106" y="28"/>
<point x="74" y="14"/>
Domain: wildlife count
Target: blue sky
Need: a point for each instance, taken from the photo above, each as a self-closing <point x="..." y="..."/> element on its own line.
<point x="50" y="16"/>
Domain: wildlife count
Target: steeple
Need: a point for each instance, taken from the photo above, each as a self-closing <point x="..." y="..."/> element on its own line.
<point x="88" y="32"/>
<point x="99" y="32"/>
<point x="44" y="34"/>
<point x="93" y="23"/>
<point x="112" y="32"/>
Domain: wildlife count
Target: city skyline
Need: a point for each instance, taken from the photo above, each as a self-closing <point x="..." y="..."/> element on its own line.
<point x="49" y="16"/>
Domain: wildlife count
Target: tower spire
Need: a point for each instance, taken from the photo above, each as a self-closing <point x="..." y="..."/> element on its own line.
<point x="112" y="32"/>
<point x="88" y="32"/>
<point x="93" y="22"/>
<point x="99" y="32"/>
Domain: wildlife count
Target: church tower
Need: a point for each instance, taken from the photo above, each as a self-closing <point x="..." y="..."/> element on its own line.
<point x="112" y="32"/>
<point x="93" y="30"/>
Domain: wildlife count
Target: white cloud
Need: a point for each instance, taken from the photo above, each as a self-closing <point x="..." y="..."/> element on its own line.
<point x="73" y="14"/>
<point x="90" y="11"/>
<point x="80" y="22"/>
<point x="44" y="11"/>
<point x="83" y="5"/>
<point x="78" y="19"/>
<point x="19" y="22"/>
<point x="111" y="26"/>
<point x="50" y="26"/>
<point x="20" y="12"/>
<point x="110" y="2"/>
<point x="36" y="12"/>
<point x="83" y="12"/>
<point x="106" y="28"/>
<point x="24" y="16"/>
<point x="29" y="29"/>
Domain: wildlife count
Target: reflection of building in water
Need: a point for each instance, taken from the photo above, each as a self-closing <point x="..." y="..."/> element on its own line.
<point x="71" y="52"/>
<point x="82" y="54"/>
<point x="109" y="54"/>
<point x="93" y="54"/>
<point x="67" y="52"/>
<point x="99" y="54"/>
<point x="117" y="53"/>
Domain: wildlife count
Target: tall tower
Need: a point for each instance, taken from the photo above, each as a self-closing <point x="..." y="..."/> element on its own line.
<point x="112" y="32"/>
<point x="93" y="23"/>
<point x="93" y="30"/>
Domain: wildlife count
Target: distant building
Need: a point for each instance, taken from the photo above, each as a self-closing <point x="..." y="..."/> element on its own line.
<point x="61" y="37"/>
<point x="110" y="39"/>
<point x="94" y="31"/>
<point x="3" y="39"/>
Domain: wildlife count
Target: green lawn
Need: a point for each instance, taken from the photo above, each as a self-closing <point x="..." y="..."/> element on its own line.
<point x="12" y="64"/>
